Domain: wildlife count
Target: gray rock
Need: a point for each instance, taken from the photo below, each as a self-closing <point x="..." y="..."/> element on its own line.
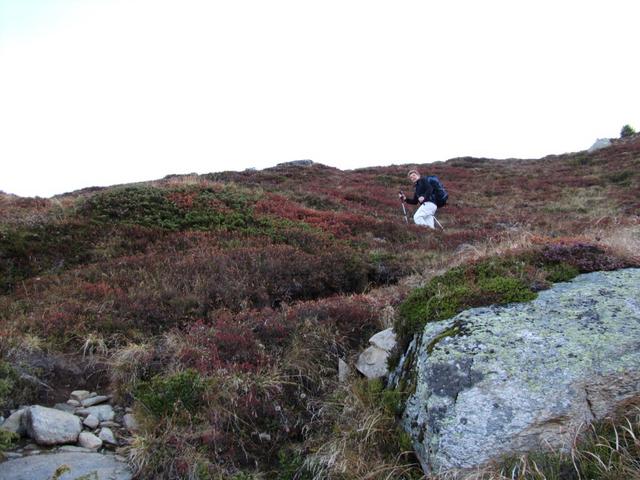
<point x="74" y="448"/>
<point x="343" y="371"/>
<point x="66" y="407"/>
<point x="110" y="424"/>
<point x="79" y="395"/>
<point x="91" y="401"/>
<point x="509" y="379"/>
<point x="296" y="163"/>
<point x="48" y="426"/>
<point x="43" y="467"/>
<point x="104" y="413"/>
<point x="372" y="363"/>
<point x="73" y="403"/>
<point x="14" y="423"/>
<point x="91" y="422"/>
<point x="385" y="340"/>
<point x="599" y="144"/>
<point x="11" y="455"/>
<point x="107" y="436"/>
<point x="89" y="440"/>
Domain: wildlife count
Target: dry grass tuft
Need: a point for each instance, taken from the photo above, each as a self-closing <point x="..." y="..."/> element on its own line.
<point x="128" y="366"/>
<point x="607" y="450"/>
<point x="366" y="441"/>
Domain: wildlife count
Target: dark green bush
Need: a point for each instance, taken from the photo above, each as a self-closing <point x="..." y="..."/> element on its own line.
<point x="164" y="395"/>
<point x="8" y="380"/>
<point x="45" y="248"/>
<point x="627" y="131"/>
<point x="491" y="281"/>
<point x="140" y="205"/>
<point x="7" y="440"/>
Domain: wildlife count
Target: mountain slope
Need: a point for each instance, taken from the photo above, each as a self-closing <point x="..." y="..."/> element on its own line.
<point x="258" y="281"/>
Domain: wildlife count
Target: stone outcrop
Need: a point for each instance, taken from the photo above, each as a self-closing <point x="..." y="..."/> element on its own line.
<point x="599" y="144"/>
<point x="510" y="379"/>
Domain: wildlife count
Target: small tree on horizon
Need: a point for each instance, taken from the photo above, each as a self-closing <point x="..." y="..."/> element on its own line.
<point x="627" y="131"/>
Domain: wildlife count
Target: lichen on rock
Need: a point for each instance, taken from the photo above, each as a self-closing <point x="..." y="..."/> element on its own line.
<point x="505" y="379"/>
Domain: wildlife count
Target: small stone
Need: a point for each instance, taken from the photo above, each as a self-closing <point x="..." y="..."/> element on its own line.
<point x="372" y="363"/>
<point x="89" y="440"/>
<point x="103" y="412"/>
<point x="343" y="371"/>
<point x="384" y="340"/>
<point x="110" y="424"/>
<point x="12" y="455"/>
<point x="91" y="401"/>
<point x="74" y="448"/>
<point x="64" y="407"/>
<point x="130" y="422"/>
<point x="80" y="395"/>
<point x="14" y="423"/>
<point x="73" y="403"/>
<point x="107" y="436"/>
<point x="91" y="421"/>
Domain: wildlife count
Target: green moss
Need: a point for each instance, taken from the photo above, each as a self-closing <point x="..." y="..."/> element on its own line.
<point x="507" y="289"/>
<point x="560" y="272"/>
<point x="450" y="332"/>
<point x="491" y="281"/>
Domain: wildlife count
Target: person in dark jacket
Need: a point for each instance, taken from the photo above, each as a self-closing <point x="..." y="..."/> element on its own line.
<point x="424" y="216"/>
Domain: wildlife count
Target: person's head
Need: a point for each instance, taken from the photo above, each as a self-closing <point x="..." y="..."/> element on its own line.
<point x="413" y="175"/>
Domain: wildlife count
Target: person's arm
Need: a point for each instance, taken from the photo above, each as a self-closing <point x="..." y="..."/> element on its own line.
<point x="424" y="190"/>
<point x="412" y="201"/>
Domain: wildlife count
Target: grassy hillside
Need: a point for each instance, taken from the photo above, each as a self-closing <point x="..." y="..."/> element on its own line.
<point x="218" y="305"/>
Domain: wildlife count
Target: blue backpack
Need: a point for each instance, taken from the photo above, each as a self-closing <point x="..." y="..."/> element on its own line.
<point x="439" y="195"/>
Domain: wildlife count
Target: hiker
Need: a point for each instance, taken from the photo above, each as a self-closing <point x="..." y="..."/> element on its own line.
<point x="424" y="216"/>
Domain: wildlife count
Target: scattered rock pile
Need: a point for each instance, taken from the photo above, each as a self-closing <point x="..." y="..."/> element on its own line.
<point x="86" y="423"/>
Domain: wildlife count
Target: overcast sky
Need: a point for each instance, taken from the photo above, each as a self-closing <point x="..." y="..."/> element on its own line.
<point x="99" y="92"/>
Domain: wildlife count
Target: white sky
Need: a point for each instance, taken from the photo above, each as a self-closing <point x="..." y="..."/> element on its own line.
<point x="99" y="92"/>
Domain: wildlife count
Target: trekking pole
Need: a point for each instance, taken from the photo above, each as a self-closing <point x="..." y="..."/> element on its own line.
<point x="404" y="210"/>
<point x="439" y="224"/>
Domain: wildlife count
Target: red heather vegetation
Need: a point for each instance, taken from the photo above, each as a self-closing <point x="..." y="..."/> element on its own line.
<point x="220" y="304"/>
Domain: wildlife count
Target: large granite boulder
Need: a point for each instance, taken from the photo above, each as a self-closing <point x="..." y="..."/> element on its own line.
<point x="48" y="426"/>
<point x="509" y="379"/>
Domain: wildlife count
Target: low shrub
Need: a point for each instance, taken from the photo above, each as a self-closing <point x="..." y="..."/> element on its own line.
<point x="43" y="248"/>
<point x="8" y="381"/>
<point x="165" y="395"/>
<point x="7" y="440"/>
